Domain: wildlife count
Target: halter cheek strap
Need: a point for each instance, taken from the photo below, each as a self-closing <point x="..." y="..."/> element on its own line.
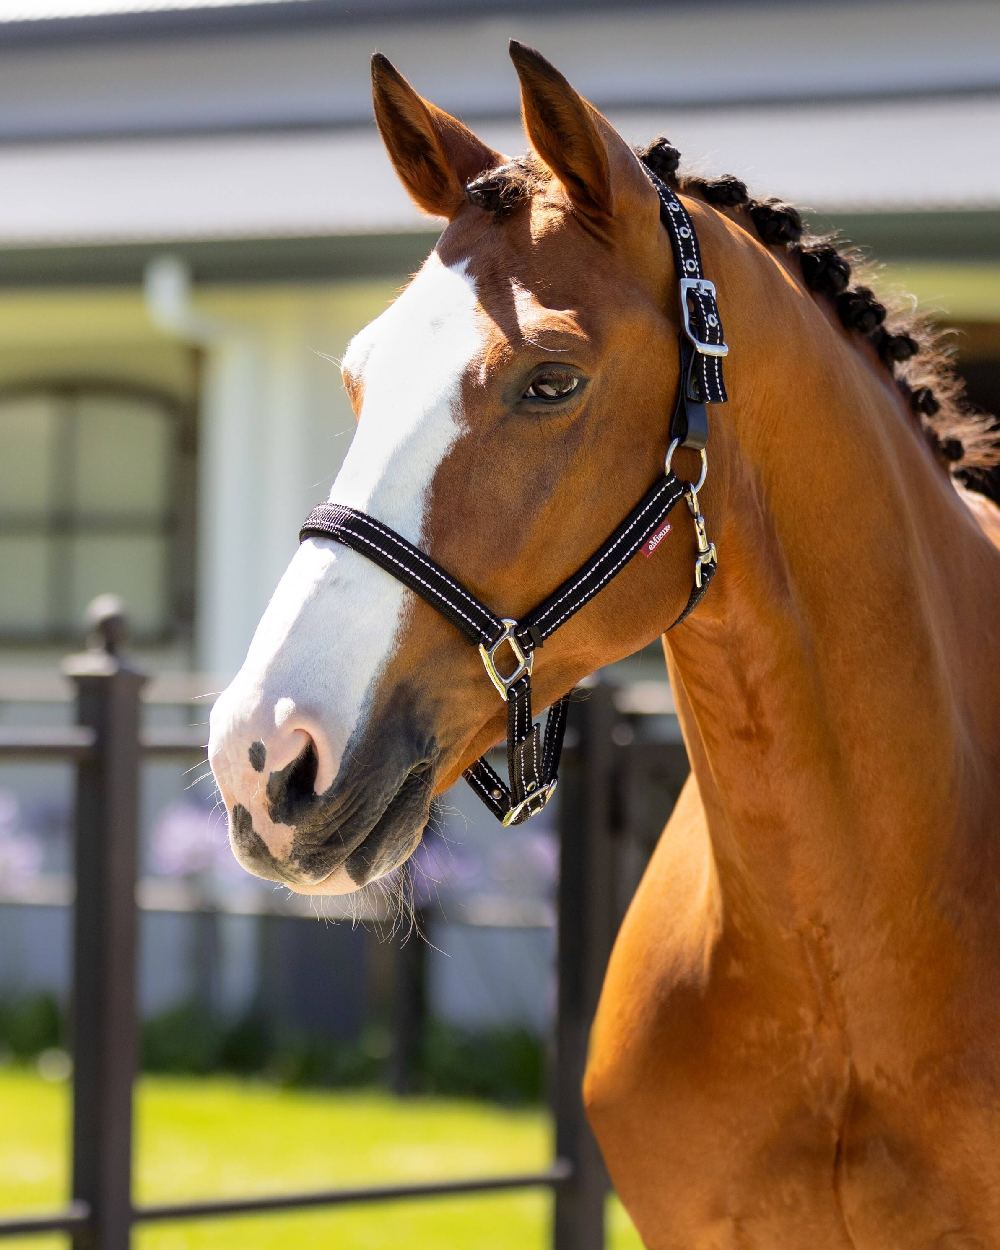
<point x="506" y="646"/>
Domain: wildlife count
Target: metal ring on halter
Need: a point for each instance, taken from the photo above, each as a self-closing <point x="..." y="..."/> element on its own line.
<point x="694" y="486"/>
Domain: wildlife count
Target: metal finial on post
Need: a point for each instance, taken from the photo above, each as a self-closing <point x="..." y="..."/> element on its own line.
<point x="107" y="624"/>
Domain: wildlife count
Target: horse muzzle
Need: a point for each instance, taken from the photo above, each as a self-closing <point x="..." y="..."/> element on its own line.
<point x="330" y="840"/>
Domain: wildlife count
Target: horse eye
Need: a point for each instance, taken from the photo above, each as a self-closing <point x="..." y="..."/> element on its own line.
<point x="553" y="385"/>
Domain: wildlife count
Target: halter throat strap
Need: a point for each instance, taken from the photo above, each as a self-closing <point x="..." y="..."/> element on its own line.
<point x="506" y="646"/>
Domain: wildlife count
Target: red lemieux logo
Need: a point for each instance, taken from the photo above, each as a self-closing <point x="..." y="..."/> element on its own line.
<point x="654" y="540"/>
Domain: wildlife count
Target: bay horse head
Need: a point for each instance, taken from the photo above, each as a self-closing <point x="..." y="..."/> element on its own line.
<point x="512" y="404"/>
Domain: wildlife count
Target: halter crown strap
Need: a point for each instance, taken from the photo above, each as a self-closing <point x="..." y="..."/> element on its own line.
<point x="703" y="348"/>
<point x="701" y="325"/>
<point x="506" y="646"/>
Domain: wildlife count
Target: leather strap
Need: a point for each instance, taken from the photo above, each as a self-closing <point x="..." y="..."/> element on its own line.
<point x="702" y="325"/>
<point x="532" y="762"/>
<point x="603" y="564"/>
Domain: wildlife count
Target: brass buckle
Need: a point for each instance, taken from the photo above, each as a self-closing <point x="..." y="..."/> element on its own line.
<point x="541" y="797"/>
<point x="523" y="662"/>
<point x="703" y="287"/>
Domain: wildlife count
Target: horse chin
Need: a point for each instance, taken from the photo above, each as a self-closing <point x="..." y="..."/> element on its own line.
<point x="338" y="882"/>
<point x="390" y="843"/>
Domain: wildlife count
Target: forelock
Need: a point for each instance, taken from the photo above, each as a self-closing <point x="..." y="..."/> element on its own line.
<point x="501" y="191"/>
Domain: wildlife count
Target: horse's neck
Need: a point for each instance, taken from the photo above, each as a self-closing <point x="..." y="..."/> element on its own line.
<point x="835" y="685"/>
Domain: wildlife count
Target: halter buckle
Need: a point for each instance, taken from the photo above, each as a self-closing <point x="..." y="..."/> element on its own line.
<point x="704" y="287"/>
<point x="523" y="662"/>
<point x="540" y="797"/>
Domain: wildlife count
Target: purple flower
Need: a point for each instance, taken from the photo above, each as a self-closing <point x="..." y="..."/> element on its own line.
<point x="21" y="850"/>
<point x="190" y="840"/>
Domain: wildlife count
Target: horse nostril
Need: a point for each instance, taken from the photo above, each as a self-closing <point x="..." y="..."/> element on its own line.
<point x="293" y="787"/>
<point x="301" y="781"/>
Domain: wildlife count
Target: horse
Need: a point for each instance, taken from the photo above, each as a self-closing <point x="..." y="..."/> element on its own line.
<point x="797" y="1038"/>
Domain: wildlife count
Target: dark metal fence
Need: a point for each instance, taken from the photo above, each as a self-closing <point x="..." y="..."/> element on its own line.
<point x="607" y="765"/>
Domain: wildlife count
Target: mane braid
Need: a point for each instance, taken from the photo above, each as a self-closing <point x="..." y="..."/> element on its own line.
<point x="964" y="441"/>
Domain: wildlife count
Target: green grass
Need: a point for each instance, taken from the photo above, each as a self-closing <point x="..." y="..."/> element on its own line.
<point x="213" y="1137"/>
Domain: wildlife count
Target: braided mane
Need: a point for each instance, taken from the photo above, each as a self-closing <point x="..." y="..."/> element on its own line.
<point x="964" y="441"/>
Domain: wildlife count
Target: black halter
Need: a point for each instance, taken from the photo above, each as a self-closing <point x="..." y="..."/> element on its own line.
<point x="533" y="762"/>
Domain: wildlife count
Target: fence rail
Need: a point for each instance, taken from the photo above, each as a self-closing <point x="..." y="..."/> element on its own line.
<point x="107" y="747"/>
<point x="70" y="742"/>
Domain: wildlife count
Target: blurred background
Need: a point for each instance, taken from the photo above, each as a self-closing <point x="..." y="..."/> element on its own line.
<point x="195" y="217"/>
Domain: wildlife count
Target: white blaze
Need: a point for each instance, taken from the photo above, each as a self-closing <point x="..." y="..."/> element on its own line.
<point x="411" y="361"/>
<point x="332" y="624"/>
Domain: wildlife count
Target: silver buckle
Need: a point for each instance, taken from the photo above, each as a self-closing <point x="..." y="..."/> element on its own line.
<point x="541" y="797"/>
<point x="523" y="663"/>
<point x="703" y="287"/>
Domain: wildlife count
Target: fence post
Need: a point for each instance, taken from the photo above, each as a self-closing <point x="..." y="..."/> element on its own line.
<point x="586" y="927"/>
<point x="104" y="1014"/>
<point x="409" y="1009"/>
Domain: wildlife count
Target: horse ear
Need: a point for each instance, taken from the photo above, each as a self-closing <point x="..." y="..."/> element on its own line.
<point x="432" y="152"/>
<point x="593" y="162"/>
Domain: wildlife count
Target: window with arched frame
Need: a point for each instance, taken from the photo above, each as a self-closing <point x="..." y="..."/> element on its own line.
<point x="96" y="494"/>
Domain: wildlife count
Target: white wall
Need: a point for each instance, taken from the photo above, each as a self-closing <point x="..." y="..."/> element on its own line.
<point x="618" y="54"/>
<point x="275" y="426"/>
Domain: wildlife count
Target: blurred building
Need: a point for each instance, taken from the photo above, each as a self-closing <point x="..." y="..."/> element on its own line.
<point x="171" y="454"/>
